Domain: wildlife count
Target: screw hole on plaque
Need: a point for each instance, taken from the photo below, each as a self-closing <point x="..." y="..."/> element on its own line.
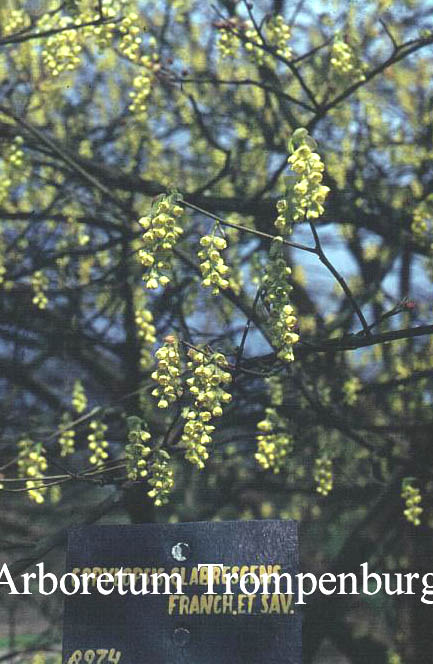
<point x="181" y="636"/>
<point x="181" y="551"/>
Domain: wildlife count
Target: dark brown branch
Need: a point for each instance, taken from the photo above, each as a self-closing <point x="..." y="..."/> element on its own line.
<point x="64" y="156"/>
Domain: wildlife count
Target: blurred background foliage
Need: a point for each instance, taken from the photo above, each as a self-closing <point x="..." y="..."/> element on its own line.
<point x="106" y="105"/>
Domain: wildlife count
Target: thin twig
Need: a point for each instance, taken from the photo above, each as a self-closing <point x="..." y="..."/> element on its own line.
<point x="390" y="35"/>
<point x="241" y="348"/>
<point x="327" y="263"/>
<point x="245" y="229"/>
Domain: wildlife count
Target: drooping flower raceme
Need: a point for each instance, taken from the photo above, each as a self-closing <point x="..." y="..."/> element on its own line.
<point x="323" y="475"/>
<point x="79" y="399"/>
<point x="131" y="41"/>
<point x="421" y="225"/>
<point x="96" y="442"/>
<point x="39" y="286"/>
<point x="207" y="386"/>
<point x="228" y="41"/>
<point x="161" y="478"/>
<point x="351" y="390"/>
<point x="168" y="373"/>
<point x="67" y="436"/>
<point x="146" y="333"/>
<point x="215" y="272"/>
<point x="345" y="62"/>
<point x="15" y="154"/>
<point x="275" y="389"/>
<point x="137" y="453"/>
<point x="13" y="167"/>
<point x="162" y="231"/>
<point x="278" y="33"/>
<point x="32" y="464"/>
<point x="144" y="461"/>
<point x="146" y="329"/>
<point x="305" y="193"/>
<point x="274" y="444"/>
<point x="142" y="85"/>
<point x="412" y="497"/>
<point x="277" y="289"/>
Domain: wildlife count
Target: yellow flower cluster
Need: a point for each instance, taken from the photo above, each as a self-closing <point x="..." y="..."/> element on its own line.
<point x="142" y="85"/>
<point x="284" y="220"/>
<point x="146" y="333"/>
<point x="142" y="462"/>
<point x="284" y="329"/>
<point x="323" y="475"/>
<point x="39" y="284"/>
<point x="345" y="62"/>
<point x="351" y="389"/>
<point x="277" y="289"/>
<point x="168" y="373"/>
<point x="422" y="218"/>
<point x="103" y="33"/>
<point x="145" y="329"/>
<point x="131" y="42"/>
<point x="137" y="454"/>
<point x="412" y="497"/>
<point x="209" y="376"/>
<point x="214" y="271"/>
<point x="162" y="231"/>
<point x="394" y="658"/>
<point x="78" y="231"/>
<point x="61" y="51"/>
<point x="32" y="464"/>
<point x="257" y="54"/>
<point x="67" y="436"/>
<point x="161" y="478"/>
<point x="228" y="43"/>
<point x="15" y="155"/>
<point x="79" y="399"/>
<point x="97" y="443"/>
<point x="278" y="33"/>
<point x="39" y="657"/>
<point x="306" y="194"/>
<point x="275" y="389"/>
<point x="17" y="21"/>
<point x="180" y="7"/>
<point x="55" y="494"/>
<point x="273" y="444"/>
<point x="5" y="184"/>
<point x="13" y="167"/>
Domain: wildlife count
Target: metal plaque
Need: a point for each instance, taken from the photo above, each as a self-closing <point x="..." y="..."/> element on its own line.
<point x="245" y="627"/>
